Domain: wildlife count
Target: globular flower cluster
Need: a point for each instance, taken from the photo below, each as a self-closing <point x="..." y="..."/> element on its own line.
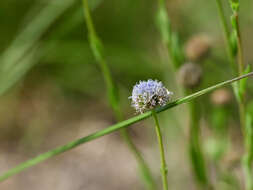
<point x="147" y="95"/>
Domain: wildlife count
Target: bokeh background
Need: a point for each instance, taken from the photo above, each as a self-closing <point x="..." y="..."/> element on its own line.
<point x="52" y="92"/>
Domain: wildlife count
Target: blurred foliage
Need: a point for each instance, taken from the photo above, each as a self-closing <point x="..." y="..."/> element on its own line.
<point x="46" y="40"/>
<point x="128" y="32"/>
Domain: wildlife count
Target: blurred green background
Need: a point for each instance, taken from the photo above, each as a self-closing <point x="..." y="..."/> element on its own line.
<point x="52" y="91"/>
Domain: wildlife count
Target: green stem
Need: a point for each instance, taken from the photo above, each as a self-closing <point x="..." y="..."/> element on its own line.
<point x="164" y="170"/>
<point x="167" y="35"/>
<point x="226" y="33"/>
<point x="247" y="160"/>
<point x="239" y="45"/>
<point x="97" y="48"/>
<point x="196" y="154"/>
<point x="248" y="155"/>
<point x="113" y="128"/>
<point x="247" y="165"/>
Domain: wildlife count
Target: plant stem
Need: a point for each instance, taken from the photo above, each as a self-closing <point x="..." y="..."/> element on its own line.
<point x="167" y="35"/>
<point x="97" y="48"/>
<point x="113" y="128"/>
<point x="239" y="45"/>
<point x="164" y="170"/>
<point x="248" y="155"/>
<point x="226" y="33"/>
<point x="195" y="151"/>
<point x="247" y="159"/>
<point x="196" y="154"/>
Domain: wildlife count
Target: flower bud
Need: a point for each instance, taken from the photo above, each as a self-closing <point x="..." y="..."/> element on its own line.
<point x="190" y="75"/>
<point x="197" y="47"/>
<point x="221" y="97"/>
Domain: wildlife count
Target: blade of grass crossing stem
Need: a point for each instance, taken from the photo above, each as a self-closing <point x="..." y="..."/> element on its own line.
<point x="112" y="129"/>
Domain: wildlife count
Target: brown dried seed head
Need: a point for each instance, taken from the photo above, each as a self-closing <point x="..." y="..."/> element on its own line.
<point x="221" y="97"/>
<point x="197" y="47"/>
<point x="189" y="75"/>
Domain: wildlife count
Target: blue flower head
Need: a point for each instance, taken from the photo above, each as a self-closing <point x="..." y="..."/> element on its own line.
<point x="147" y="95"/>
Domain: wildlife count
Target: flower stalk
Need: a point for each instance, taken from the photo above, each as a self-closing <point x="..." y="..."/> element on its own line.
<point x="164" y="169"/>
<point x="170" y="39"/>
<point x="147" y="95"/>
<point x="230" y="48"/>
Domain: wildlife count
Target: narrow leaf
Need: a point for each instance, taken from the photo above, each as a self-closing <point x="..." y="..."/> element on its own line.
<point x="112" y="129"/>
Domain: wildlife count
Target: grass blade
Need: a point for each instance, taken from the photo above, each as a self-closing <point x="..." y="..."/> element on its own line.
<point x="112" y="128"/>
